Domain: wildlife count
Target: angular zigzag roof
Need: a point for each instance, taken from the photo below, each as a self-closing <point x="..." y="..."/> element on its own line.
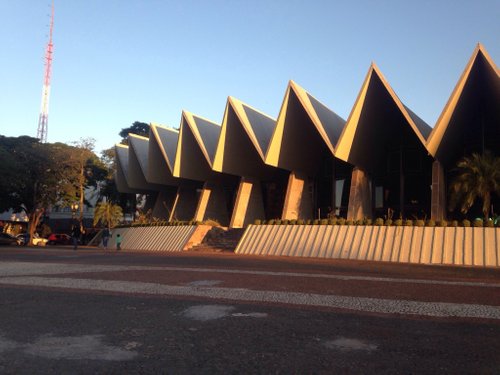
<point x="196" y="148"/>
<point x="138" y="163"/>
<point x="122" y="169"/>
<point x="249" y="131"/>
<point x="480" y="78"/>
<point x="360" y="127"/>
<point x="304" y="124"/>
<point x="161" y="154"/>
<point x="328" y="126"/>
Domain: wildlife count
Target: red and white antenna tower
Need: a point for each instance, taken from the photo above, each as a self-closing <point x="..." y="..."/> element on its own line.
<point x="43" y="119"/>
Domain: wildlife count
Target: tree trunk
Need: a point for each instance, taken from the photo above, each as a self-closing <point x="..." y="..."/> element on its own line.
<point x="34" y="220"/>
<point x="486" y="205"/>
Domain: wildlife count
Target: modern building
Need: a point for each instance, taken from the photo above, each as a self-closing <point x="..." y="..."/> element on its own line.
<point x="310" y="163"/>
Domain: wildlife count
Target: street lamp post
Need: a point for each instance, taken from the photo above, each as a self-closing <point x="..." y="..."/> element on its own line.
<point x="74" y="208"/>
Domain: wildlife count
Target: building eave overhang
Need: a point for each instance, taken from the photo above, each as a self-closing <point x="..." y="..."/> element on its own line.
<point x="155" y="136"/>
<point x="121" y="176"/>
<point x="137" y="164"/>
<point x="188" y="125"/>
<point x="244" y="122"/>
<point x="276" y="144"/>
<point x="437" y="135"/>
<point x="344" y="145"/>
<point x="140" y="146"/>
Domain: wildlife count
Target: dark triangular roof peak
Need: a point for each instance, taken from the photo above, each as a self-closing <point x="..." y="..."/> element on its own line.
<point x="166" y="139"/>
<point x="479" y="62"/>
<point x="375" y="78"/>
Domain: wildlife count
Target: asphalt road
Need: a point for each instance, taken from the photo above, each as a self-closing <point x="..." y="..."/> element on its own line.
<point x="88" y="312"/>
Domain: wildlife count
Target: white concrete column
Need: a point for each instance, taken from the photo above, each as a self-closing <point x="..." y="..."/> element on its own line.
<point x="185" y="203"/>
<point x="163" y="206"/>
<point x="249" y="204"/>
<point x="212" y="204"/>
<point x="298" y="200"/>
<point x="360" y="197"/>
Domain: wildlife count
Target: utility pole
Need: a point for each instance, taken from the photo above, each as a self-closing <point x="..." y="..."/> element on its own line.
<point x="43" y="119"/>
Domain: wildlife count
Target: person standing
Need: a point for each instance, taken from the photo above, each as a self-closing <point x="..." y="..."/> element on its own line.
<point x="105" y="238"/>
<point x="75" y="235"/>
<point x="118" y="242"/>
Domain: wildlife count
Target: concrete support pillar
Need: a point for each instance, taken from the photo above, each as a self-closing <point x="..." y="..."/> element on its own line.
<point x="360" y="197"/>
<point x="438" y="193"/>
<point x="298" y="200"/>
<point x="184" y="206"/>
<point x="212" y="204"/>
<point x="249" y="204"/>
<point x="163" y="206"/>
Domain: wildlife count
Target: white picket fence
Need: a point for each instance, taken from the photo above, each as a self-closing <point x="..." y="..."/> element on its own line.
<point x="427" y="245"/>
<point x="166" y="238"/>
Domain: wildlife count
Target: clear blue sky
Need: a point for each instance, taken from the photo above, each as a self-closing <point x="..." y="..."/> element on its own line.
<point x="118" y="61"/>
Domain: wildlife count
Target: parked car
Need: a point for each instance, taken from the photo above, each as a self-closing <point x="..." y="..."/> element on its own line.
<point x="7" y="239"/>
<point x="37" y="240"/>
<point x="59" y="239"/>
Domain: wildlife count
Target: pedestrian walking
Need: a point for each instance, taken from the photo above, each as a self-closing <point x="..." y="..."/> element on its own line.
<point x="118" y="242"/>
<point x="105" y="238"/>
<point x="75" y="236"/>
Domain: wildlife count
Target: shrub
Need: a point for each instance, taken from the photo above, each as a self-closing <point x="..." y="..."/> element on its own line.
<point x="315" y="222"/>
<point x="408" y="223"/>
<point x="211" y="222"/>
<point x="442" y="223"/>
<point x="332" y="221"/>
<point x="388" y="222"/>
<point x="292" y="222"/>
<point x="300" y="222"/>
<point x="257" y="222"/>
<point x="419" y="223"/>
<point x="277" y="222"/>
<point x="379" y="221"/>
<point x="368" y="222"/>
<point x="308" y="222"/>
<point x="490" y="223"/>
<point x="325" y="221"/>
<point x="285" y="222"/>
<point x="454" y="223"/>
<point x="341" y="221"/>
<point x="431" y="223"/>
<point x="465" y="223"/>
<point x="398" y="222"/>
<point x="478" y="223"/>
<point x="349" y="222"/>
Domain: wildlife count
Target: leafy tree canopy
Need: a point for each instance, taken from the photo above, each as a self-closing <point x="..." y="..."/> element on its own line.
<point x="108" y="214"/>
<point x="476" y="177"/>
<point x="139" y="128"/>
<point x="37" y="176"/>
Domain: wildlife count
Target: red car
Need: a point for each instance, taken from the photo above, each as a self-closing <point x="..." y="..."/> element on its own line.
<point x="59" y="239"/>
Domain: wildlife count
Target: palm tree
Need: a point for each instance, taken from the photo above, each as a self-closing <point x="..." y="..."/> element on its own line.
<point x="108" y="214"/>
<point x="477" y="177"/>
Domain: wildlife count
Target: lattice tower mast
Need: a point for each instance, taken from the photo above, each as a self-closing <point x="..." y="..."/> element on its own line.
<point x="43" y="119"/>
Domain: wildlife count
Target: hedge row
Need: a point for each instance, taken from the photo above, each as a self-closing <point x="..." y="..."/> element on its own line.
<point x="160" y="224"/>
<point x="382" y="222"/>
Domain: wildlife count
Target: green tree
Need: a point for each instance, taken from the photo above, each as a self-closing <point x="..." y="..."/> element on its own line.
<point x="33" y="177"/>
<point x="108" y="214"/>
<point x="477" y="176"/>
<point x="85" y="170"/>
<point x="139" y="128"/>
<point x="37" y="176"/>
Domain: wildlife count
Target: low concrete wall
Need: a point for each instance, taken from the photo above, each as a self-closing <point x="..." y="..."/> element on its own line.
<point x="426" y="245"/>
<point x="167" y="238"/>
